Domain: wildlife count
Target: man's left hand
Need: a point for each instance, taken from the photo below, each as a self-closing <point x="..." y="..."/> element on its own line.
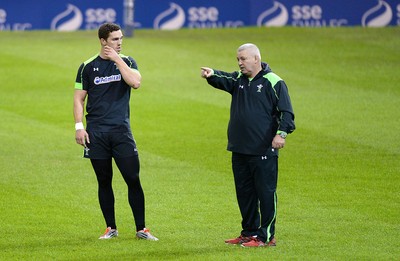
<point x="278" y="142"/>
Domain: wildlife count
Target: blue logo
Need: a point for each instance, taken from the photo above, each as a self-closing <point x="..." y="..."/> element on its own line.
<point x="107" y="79"/>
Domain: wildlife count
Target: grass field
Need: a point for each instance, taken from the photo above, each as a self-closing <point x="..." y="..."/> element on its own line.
<point x="339" y="173"/>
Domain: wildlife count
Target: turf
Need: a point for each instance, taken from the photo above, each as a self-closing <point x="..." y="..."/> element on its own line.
<point x="339" y="172"/>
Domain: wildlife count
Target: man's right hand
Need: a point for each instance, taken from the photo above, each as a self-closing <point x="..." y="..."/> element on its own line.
<point x="206" y="72"/>
<point x="82" y="137"/>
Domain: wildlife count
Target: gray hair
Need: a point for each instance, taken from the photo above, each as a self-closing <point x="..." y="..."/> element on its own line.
<point x="253" y="49"/>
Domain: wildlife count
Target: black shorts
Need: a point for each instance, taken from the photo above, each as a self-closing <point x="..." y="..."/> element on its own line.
<point x="105" y="145"/>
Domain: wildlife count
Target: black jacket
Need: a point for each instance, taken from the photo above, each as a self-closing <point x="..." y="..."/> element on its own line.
<point x="259" y="108"/>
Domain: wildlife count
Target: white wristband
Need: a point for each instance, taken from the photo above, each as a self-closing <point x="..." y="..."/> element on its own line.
<point x="79" y="126"/>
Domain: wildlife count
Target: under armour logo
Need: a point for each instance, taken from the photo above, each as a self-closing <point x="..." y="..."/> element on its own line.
<point x="95" y="69"/>
<point x="240" y="86"/>
<point x="264" y="157"/>
<point x="259" y="87"/>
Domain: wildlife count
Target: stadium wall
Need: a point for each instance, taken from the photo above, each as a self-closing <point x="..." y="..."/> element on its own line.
<point x="175" y="14"/>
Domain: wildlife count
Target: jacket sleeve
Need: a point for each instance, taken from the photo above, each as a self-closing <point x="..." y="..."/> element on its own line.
<point x="284" y="107"/>
<point x="223" y="80"/>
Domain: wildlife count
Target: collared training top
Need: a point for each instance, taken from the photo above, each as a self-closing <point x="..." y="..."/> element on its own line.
<point x="108" y="95"/>
<point x="259" y="108"/>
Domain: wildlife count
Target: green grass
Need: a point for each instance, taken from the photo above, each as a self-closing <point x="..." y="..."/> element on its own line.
<point x="339" y="172"/>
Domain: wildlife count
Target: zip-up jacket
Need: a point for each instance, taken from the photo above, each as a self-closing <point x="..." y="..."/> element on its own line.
<point x="259" y="108"/>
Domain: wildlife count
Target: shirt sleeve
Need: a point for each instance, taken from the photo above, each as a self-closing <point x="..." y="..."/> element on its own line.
<point x="286" y="121"/>
<point x="223" y="80"/>
<point x="79" y="78"/>
<point x="131" y="62"/>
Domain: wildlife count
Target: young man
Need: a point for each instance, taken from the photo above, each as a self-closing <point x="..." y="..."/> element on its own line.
<point x="105" y="81"/>
<point x="261" y="116"/>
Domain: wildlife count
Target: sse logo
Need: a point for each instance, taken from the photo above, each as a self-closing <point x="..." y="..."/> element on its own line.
<point x="4" y="26"/>
<point x="208" y="17"/>
<point x="175" y="18"/>
<point x="98" y="16"/>
<point x="72" y="19"/>
<point x="311" y="16"/>
<point x="378" y="16"/>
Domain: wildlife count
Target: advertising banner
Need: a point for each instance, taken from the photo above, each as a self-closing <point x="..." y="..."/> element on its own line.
<point x="73" y="15"/>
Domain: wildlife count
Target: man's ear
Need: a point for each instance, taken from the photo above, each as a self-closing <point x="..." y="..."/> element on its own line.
<point x="103" y="42"/>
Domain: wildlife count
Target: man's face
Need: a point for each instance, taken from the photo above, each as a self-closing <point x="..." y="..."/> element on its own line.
<point x="247" y="63"/>
<point x="114" y="40"/>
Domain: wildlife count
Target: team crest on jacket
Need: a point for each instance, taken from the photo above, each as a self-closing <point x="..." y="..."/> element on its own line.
<point x="259" y="87"/>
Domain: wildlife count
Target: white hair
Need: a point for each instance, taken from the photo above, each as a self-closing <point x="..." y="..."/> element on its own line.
<point x="252" y="48"/>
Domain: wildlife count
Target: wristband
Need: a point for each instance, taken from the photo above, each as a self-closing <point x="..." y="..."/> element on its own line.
<point x="79" y="126"/>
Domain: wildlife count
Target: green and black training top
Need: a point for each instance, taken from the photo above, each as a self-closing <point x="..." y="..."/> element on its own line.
<point x="107" y="105"/>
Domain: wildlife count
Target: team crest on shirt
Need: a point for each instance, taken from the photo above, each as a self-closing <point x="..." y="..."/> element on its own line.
<point x="259" y="87"/>
<point x="86" y="149"/>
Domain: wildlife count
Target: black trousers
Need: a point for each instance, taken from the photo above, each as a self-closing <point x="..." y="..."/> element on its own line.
<point x="255" y="182"/>
<point x="129" y="168"/>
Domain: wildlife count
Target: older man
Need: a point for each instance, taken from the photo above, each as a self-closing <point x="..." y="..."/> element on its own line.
<point x="261" y="116"/>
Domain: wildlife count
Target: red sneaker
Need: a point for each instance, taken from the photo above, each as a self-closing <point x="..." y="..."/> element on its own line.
<point x="239" y="240"/>
<point x="272" y="242"/>
<point x="255" y="242"/>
